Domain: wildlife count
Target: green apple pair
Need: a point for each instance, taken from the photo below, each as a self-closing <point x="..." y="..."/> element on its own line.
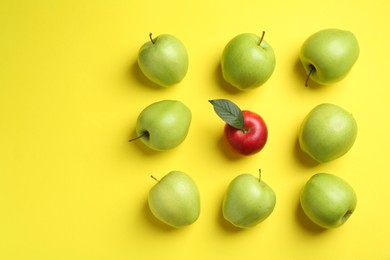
<point x="175" y="200"/>
<point x="327" y="133"/>
<point x="248" y="61"/>
<point x="327" y="56"/>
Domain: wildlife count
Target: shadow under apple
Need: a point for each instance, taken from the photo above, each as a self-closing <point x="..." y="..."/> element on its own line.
<point x="303" y="157"/>
<point x="226" y="225"/>
<point x="136" y="73"/>
<point x="222" y="83"/>
<point x="306" y="223"/>
<point x="153" y="221"/>
<point x="227" y="150"/>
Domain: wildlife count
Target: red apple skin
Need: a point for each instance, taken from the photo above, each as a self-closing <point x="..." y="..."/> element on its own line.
<point x="252" y="138"/>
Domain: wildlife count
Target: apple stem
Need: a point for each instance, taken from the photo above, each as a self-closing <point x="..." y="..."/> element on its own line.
<point x="308" y="76"/>
<point x="151" y="39"/>
<point x="154" y="178"/>
<point x="262" y="37"/>
<point x="259" y="175"/>
<point x="140" y="136"/>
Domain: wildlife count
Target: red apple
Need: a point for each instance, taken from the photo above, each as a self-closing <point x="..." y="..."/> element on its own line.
<point x="245" y="131"/>
<point x="251" y="138"/>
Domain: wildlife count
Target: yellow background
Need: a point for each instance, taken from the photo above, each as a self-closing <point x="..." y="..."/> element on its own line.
<point x="71" y="185"/>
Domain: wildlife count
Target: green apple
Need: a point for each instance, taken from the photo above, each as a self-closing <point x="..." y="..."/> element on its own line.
<point x="327" y="132"/>
<point x="175" y="199"/>
<point x="248" y="61"/>
<point x="164" y="124"/>
<point x="328" y="200"/>
<point x="248" y="201"/>
<point x="164" y="60"/>
<point x="329" y="55"/>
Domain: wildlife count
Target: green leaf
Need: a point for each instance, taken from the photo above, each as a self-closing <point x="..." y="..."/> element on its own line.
<point x="228" y="112"/>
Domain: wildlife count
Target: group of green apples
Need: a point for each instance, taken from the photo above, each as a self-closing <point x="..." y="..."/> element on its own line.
<point x="248" y="61"/>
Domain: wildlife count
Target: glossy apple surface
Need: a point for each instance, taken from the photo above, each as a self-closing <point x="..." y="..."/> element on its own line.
<point x="164" y="124"/>
<point x="251" y="138"/>
<point x="329" y="55"/>
<point x="328" y="200"/>
<point x="327" y="132"/>
<point x="248" y="61"/>
<point x="248" y="201"/>
<point x="164" y="60"/>
<point x="175" y="200"/>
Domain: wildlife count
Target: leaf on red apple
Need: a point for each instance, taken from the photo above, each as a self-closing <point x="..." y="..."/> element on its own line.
<point x="228" y="112"/>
